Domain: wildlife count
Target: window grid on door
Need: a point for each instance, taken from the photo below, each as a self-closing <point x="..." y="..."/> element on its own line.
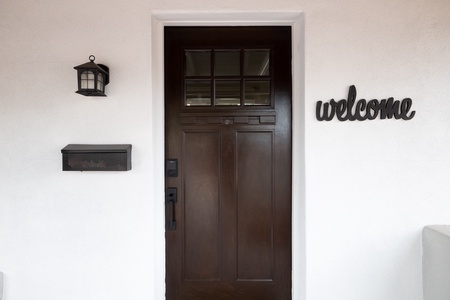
<point x="230" y="77"/>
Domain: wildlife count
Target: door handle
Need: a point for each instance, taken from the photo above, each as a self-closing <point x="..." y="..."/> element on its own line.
<point x="171" y="199"/>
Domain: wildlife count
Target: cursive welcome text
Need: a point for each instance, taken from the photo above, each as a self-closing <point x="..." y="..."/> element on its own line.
<point x="350" y="109"/>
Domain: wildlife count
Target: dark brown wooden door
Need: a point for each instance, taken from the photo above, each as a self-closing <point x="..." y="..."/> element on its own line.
<point x="228" y="125"/>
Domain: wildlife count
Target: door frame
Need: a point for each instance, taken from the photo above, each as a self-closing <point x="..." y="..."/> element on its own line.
<point x="294" y="19"/>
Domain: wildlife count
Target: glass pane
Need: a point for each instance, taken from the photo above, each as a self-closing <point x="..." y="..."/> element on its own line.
<point x="100" y="82"/>
<point x="257" y="62"/>
<point x="257" y="92"/>
<point x="198" y="63"/>
<point x="228" y="63"/>
<point x="198" y="92"/>
<point x="87" y="80"/>
<point x="228" y="92"/>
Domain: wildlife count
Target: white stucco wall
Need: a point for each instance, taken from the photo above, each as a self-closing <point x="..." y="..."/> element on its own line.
<point x="370" y="187"/>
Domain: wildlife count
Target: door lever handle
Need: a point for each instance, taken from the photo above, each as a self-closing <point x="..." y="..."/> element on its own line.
<point x="171" y="199"/>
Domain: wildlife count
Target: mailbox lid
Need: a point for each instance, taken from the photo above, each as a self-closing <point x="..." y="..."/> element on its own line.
<point x="96" y="148"/>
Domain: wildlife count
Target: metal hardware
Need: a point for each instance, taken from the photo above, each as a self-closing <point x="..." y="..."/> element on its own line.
<point x="97" y="157"/>
<point x="171" y="199"/>
<point x="171" y="167"/>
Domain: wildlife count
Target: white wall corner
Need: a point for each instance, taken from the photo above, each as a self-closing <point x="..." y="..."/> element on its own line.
<point x="436" y="262"/>
<point x="1" y="285"/>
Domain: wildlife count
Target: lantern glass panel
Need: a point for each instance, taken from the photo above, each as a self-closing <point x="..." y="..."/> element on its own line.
<point x="100" y="82"/>
<point x="87" y="80"/>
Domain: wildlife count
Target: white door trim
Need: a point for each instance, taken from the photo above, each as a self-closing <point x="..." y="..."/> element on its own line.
<point x="296" y="21"/>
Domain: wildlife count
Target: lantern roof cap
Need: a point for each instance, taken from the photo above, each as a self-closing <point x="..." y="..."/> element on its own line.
<point x="93" y="65"/>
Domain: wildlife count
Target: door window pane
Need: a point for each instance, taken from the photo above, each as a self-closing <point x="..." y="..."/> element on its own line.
<point x="227" y="63"/>
<point x="198" y="63"/>
<point x="228" y="92"/>
<point x="257" y="92"/>
<point x="198" y="92"/>
<point x="256" y="62"/>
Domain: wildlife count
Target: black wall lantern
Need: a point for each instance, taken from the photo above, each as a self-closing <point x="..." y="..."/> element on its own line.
<point x="92" y="78"/>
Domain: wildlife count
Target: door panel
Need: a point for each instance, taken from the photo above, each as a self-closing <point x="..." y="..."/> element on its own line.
<point x="201" y="203"/>
<point x="254" y="205"/>
<point x="228" y="122"/>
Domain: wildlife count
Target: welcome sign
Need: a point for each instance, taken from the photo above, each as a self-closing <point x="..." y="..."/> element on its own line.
<point x="361" y="110"/>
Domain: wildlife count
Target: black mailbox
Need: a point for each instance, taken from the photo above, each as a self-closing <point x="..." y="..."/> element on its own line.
<point x="82" y="157"/>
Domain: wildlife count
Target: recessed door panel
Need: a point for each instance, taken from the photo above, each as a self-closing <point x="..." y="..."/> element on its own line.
<point x="254" y="167"/>
<point x="201" y="205"/>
